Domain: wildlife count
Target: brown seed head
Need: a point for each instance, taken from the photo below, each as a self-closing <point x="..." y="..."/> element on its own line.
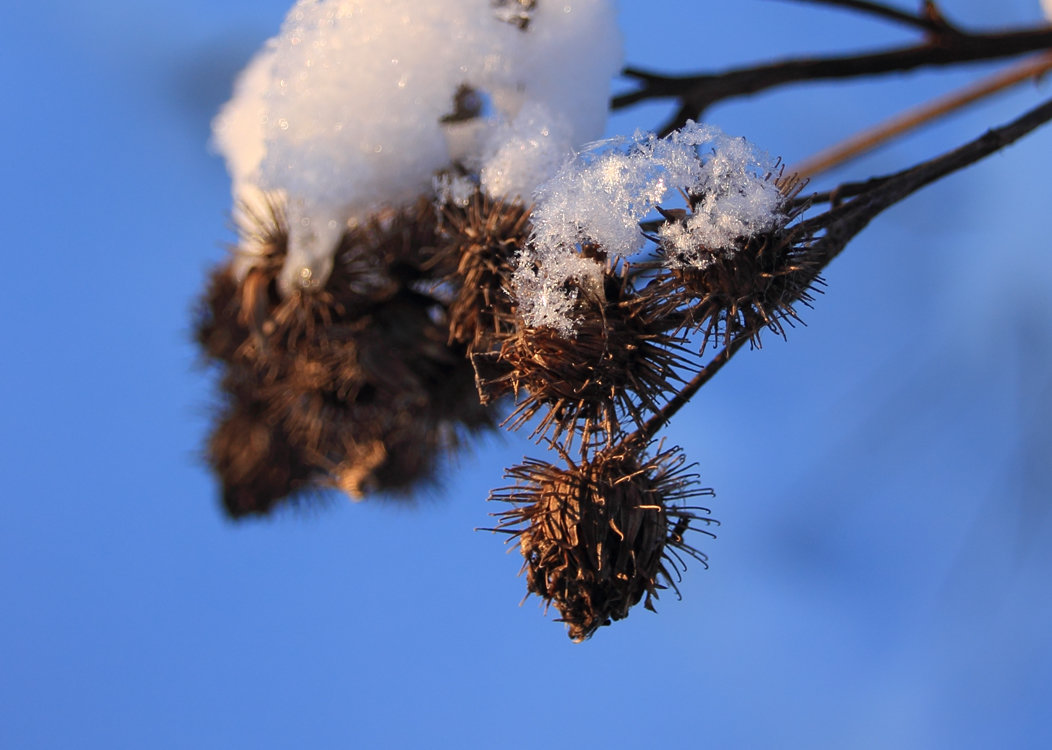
<point x="740" y="290"/>
<point x="475" y="258"/>
<point x="352" y="385"/>
<point x="620" y="365"/>
<point x="599" y="536"/>
<point x="258" y="465"/>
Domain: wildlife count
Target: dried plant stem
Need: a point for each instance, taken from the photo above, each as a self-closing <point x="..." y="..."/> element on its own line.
<point x="696" y="93"/>
<point x="930" y="20"/>
<point x="869" y="139"/>
<point x="651" y="427"/>
<point x="841" y="223"/>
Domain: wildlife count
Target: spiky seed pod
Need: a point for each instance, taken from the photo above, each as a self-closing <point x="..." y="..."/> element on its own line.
<point x="599" y="536"/>
<point x="388" y="250"/>
<point x="353" y="385"/>
<point x="619" y="366"/>
<point x="476" y="259"/>
<point x="730" y="291"/>
<point x="258" y="465"/>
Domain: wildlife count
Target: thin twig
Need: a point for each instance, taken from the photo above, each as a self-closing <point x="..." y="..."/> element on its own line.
<point x="842" y="223"/>
<point x="854" y="215"/>
<point x="930" y="21"/>
<point x="651" y="427"/>
<point x="698" y="92"/>
<point x="871" y="138"/>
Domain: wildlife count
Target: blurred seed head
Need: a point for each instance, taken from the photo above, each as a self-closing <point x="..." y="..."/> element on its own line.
<point x="354" y="385"/>
<point x="259" y="466"/>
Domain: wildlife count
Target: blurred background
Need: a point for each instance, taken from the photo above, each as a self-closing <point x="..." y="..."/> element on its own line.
<point x="883" y="478"/>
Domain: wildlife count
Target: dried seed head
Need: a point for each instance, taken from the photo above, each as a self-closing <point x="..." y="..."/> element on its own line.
<point x="729" y="291"/>
<point x="476" y="259"/>
<point x="599" y="536"/>
<point x="619" y="366"/>
<point x="218" y="325"/>
<point x="352" y="385"/>
<point x="234" y="301"/>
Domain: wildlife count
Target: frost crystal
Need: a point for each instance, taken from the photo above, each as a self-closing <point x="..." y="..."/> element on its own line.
<point x="547" y="290"/>
<point x="602" y="195"/>
<point x="355" y="105"/>
<point x="733" y="198"/>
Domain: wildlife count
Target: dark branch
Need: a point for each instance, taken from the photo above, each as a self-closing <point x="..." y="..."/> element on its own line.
<point x="696" y="93"/>
<point x="930" y="21"/>
<point x="843" y="222"/>
<point x="653" y="425"/>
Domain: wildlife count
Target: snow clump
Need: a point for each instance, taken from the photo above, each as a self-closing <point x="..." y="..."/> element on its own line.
<point x="356" y="105"/>
<point x="601" y="196"/>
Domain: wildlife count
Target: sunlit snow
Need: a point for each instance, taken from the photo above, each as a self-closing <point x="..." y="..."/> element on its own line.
<point x="602" y="195"/>
<point x="353" y="107"/>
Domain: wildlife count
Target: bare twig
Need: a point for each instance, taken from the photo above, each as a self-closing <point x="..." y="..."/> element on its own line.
<point x="698" y="92"/>
<point x="649" y="429"/>
<point x="843" y="222"/>
<point x="931" y="20"/>
<point x="869" y="139"/>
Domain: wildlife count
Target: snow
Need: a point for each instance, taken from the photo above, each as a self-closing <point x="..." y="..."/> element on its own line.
<point x="737" y="199"/>
<point x="602" y="195"/>
<point x="455" y="189"/>
<point x="543" y="291"/>
<point x="358" y="105"/>
<point x="348" y="109"/>
<point x="523" y="153"/>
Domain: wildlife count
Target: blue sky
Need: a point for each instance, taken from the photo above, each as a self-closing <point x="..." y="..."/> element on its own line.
<point x="882" y="478"/>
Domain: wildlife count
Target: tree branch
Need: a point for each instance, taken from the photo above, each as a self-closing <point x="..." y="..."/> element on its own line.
<point x="842" y="223"/>
<point x="930" y="21"/>
<point x="861" y="143"/>
<point x="698" y="92"/>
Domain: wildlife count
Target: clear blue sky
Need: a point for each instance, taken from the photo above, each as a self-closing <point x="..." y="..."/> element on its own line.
<point x="883" y="479"/>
